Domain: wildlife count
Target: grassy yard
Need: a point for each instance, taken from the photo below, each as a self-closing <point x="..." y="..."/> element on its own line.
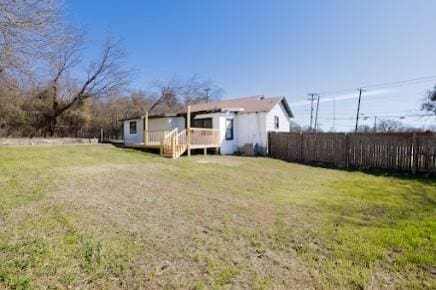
<point x="103" y="217"/>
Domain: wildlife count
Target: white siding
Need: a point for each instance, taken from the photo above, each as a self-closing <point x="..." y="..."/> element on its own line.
<point x="219" y="122"/>
<point x="177" y="122"/>
<point x="134" y="138"/>
<point x="167" y="123"/>
<point x="153" y="124"/>
<point x="248" y="128"/>
<point x="158" y="124"/>
<point x="284" y="120"/>
<point x="228" y="146"/>
<point x="251" y="129"/>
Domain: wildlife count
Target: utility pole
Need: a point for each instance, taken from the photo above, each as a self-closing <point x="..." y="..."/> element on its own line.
<point x="207" y="90"/>
<point x="358" y="109"/>
<point x="316" y="116"/>
<point x="311" y="99"/>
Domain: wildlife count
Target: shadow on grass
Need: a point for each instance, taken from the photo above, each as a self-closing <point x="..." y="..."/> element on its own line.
<point x="431" y="176"/>
<point x="156" y="151"/>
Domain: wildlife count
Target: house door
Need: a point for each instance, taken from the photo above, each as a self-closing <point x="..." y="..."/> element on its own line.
<point x="202" y="123"/>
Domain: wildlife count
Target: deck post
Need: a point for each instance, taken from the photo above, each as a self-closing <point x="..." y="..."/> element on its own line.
<point x="161" y="147"/>
<point x="146" y="129"/>
<point x="188" y="125"/>
<point x="205" y="151"/>
<point x="173" y="147"/>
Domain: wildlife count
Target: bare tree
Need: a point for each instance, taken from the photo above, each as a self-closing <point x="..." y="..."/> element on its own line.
<point x="27" y="28"/>
<point x="365" y="129"/>
<point x="391" y="126"/>
<point x="176" y="93"/>
<point x="295" y="127"/>
<point x="195" y="90"/>
<point x="429" y="104"/>
<point x="63" y="93"/>
<point x="106" y="112"/>
<point x="168" y="100"/>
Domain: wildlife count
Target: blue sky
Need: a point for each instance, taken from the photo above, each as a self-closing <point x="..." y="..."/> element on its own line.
<point x="279" y="47"/>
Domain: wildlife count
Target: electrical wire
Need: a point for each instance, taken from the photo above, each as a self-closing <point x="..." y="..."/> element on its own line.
<point x="382" y="116"/>
<point x="383" y="85"/>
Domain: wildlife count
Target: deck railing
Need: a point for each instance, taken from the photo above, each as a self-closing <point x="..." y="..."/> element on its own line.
<point x="179" y="144"/>
<point x="174" y="143"/>
<point x="204" y="137"/>
<point x="166" y="146"/>
<point x="154" y="137"/>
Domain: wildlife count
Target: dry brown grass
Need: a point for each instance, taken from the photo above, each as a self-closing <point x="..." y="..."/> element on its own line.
<point x="124" y="219"/>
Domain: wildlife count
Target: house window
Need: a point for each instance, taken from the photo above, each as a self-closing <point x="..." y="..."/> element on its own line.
<point x="276" y="122"/>
<point x="202" y="123"/>
<point x="229" y="129"/>
<point x="132" y="125"/>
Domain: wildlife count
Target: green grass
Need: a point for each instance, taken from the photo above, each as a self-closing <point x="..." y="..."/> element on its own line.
<point x="103" y="217"/>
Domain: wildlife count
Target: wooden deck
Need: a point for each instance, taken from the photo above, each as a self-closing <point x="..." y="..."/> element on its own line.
<point x="173" y="143"/>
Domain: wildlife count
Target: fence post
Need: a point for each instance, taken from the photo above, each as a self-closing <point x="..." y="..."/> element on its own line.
<point x="414" y="153"/>
<point x="301" y="147"/>
<point x="427" y="153"/>
<point x="101" y="135"/>
<point x="288" y="158"/>
<point x="347" y="150"/>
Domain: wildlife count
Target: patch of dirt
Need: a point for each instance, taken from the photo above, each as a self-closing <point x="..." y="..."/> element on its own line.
<point x="187" y="236"/>
<point x="223" y="160"/>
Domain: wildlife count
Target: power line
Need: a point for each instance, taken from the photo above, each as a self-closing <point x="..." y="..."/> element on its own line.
<point x="383" y="85"/>
<point x="362" y="89"/>
<point x="382" y="116"/>
<point x="383" y="113"/>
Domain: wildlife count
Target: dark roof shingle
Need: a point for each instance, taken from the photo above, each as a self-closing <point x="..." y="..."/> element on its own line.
<point x="245" y="105"/>
<point x="253" y="104"/>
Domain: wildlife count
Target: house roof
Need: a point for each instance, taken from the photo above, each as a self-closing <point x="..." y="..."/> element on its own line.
<point x="253" y="104"/>
<point x="152" y="116"/>
<point x="135" y="117"/>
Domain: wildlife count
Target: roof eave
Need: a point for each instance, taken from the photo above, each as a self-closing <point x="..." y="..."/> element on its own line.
<point x="131" y="118"/>
<point x="287" y="107"/>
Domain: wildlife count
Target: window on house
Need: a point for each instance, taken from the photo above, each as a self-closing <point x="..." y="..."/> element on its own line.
<point x="202" y="123"/>
<point x="132" y="125"/>
<point x="276" y="122"/>
<point x="229" y="129"/>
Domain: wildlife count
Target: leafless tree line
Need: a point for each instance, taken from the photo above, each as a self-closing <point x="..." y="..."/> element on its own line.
<point x="429" y="104"/>
<point x="45" y="92"/>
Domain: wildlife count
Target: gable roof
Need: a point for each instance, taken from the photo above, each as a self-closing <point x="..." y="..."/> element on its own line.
<point x="253" y="104"/>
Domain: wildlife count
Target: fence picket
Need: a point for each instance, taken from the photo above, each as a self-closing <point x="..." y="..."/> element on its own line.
<point x="413" y="152"/>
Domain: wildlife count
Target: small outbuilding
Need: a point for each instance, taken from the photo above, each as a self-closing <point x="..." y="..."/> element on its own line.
<point x="232" y="125"/>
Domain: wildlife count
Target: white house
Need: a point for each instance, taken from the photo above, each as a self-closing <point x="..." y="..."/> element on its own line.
<point x="227" y="124"/>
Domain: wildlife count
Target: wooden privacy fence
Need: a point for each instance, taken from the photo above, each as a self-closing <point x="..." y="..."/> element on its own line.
<point x="404" y="152"/>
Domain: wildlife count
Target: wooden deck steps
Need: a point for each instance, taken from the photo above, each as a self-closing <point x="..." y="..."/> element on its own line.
<point x="173" y="144"/>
